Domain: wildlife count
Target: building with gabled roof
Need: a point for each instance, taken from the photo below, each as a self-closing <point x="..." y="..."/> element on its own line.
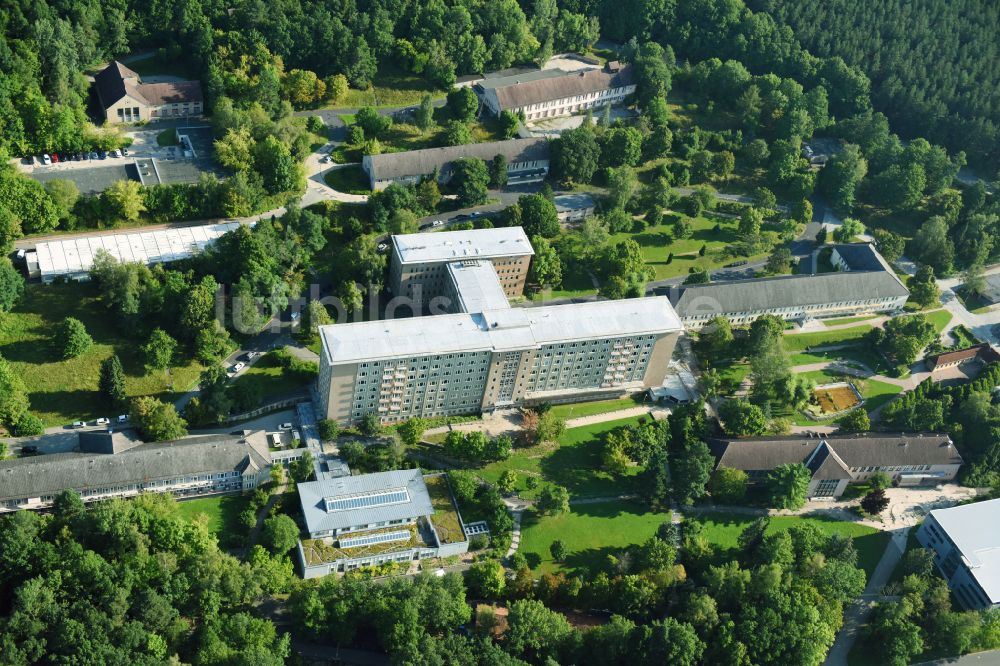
<point x="124" y="98"/>
<point x="560" y="94"/>
<point x="865" y="283"/>
<point x="527" y="162"/>
<point x="185" y="467"/>
<point x="983" y="352"/>
<point x="966" y="544"/>
<point x="835" y="461"/>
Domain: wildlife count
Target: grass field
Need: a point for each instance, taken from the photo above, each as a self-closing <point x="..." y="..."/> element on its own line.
<point x="350" y="179"/>
<point x="576" y="410"/>
<point x="575" y="462"/>
<point x="723" y="530"/>
<point x="847" y="320"/>
<point x="62" y="391"/>
<point x="657" y="244"/>
<point x="799" y="342"/>
<point x="858" y="354"/>
<point x="222" y="513"/>
<point x="167" y="137"/>
<point x="271" y="377"/>
<point x="591" y="532"/>
<point x="939" y="318"/>
<point x="392" y="87"/>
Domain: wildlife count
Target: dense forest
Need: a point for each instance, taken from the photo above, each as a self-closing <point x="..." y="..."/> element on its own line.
<point x="931" y="62"/>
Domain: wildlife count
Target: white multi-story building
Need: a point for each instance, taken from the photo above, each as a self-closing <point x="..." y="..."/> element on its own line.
<point x="419" y="262"/>
<point x="188" y="467"/>
<point x="966" y="544"/>
<point x="864" y="283"/>
<point x="557" y="94"/>
<point x="470" y="362"/>
<point x="527" y="162"/>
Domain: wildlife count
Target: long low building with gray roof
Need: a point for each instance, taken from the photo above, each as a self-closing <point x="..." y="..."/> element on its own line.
<point x="836" y="461"/>
<point x="527" y="162"/>
<point x="187" y="467"/>
<point x="865" y="283"/>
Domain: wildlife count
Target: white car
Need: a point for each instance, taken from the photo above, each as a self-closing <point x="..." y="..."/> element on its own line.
<point x="46" y="160"/>
<point x="382" y="247"/>
<point x="285" y="426"/>
<point x="122" y="418"/>
<point x="79" y="424"/>
<point x="116" y="153"/>
<point x="252" y="355"/>
<point x="326" y="159"/>
<point x="102" y="421"/>
<point x="125" y="152"/>
<point x="239" y="366"/>
<point x="437" y="223"/>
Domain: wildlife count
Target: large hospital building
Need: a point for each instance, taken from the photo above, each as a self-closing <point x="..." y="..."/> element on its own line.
<point x="485" y="355"/>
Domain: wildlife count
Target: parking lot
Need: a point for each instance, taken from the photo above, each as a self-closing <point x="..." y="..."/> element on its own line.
<point x="91" y="177"/>
<point x="173" y="164"/>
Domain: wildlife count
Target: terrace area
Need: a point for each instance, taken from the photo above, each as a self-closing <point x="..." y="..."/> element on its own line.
<point x="445" y="518"/>
<point x="329" y="549"/>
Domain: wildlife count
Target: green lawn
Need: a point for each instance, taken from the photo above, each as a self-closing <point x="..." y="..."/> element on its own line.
<point x="939" y="318"/>
<point x="392" y="87"/>
<point x="271" y="377"/>
<point x="847" y="320"/>
<point x="798" y="342"/>
<point x="657" y="245"/>
<point x="222" y="513"/>
<point x="876" y="393"/>
<point x="575" y="462"/>
<point x="578" y="409"/>
<point x="858" y="354"/>
<point x="167" y="137"/>
<point x="590" y="532"/>
<point x="723" y="530"/>
<point x="350" y="179"/>
<point x="62" y="391"/>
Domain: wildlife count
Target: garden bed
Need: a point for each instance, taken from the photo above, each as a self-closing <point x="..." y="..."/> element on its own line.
<point x="833" y="399"/>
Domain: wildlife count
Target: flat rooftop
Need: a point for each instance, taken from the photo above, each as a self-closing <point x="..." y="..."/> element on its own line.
<point x="477" y="286"/>
<point x="454" y="245"/>
<point x="76" y="255"/>
<point x="497" y="330"/>
<point x="351" y="501"/>
<point x="973" y="529"/>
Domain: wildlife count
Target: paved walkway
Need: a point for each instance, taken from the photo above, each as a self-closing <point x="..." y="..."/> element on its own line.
<point x="857" y="613"/>
<point x="858" y="369"/>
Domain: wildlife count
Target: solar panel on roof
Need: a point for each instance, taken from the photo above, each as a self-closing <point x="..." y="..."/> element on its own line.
<point x="368" y="540"/>
<point x="367" y="500"/>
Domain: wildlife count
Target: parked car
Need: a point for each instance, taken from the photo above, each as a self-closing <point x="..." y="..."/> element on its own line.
<point x="437" y="223"/>
<point x="102" y="155"/>
<point x="382" y="247"/>
<point x="125" y="152"/>
<point x="30" y="449"/>
<point x="122" y="418"/>
<point x="104" y="420"/>
<point x="55" y="157"/>
<point x="116" y="153"/>
<point x="326" y="159"/>
<point x="458" y="218"/>
<point x="252" y="355"/>
<point x="46" y="160"/>
<point x="29" y="159"/>
<point x="285" y="426"/>
<point x="239" y="366"/>
<point x="93" y="156"/>
<point x="79" y="424"/>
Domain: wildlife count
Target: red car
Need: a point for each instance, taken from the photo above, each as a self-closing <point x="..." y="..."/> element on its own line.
<point x="55" y="157"/>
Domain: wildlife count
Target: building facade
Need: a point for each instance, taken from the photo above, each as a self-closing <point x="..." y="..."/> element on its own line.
<point x="124" y="98"/>
<point x="418" y="264"/>
<point x="527" y="162"/>
<point x="561" y="95"/>
<point x="186" y="468"/>
<point x="372" y="519"/>
<point x="837" y="461"/>
<point x="865" y="283"/>
<point x="471" y="362"/>
<point x="966" y="544"/>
